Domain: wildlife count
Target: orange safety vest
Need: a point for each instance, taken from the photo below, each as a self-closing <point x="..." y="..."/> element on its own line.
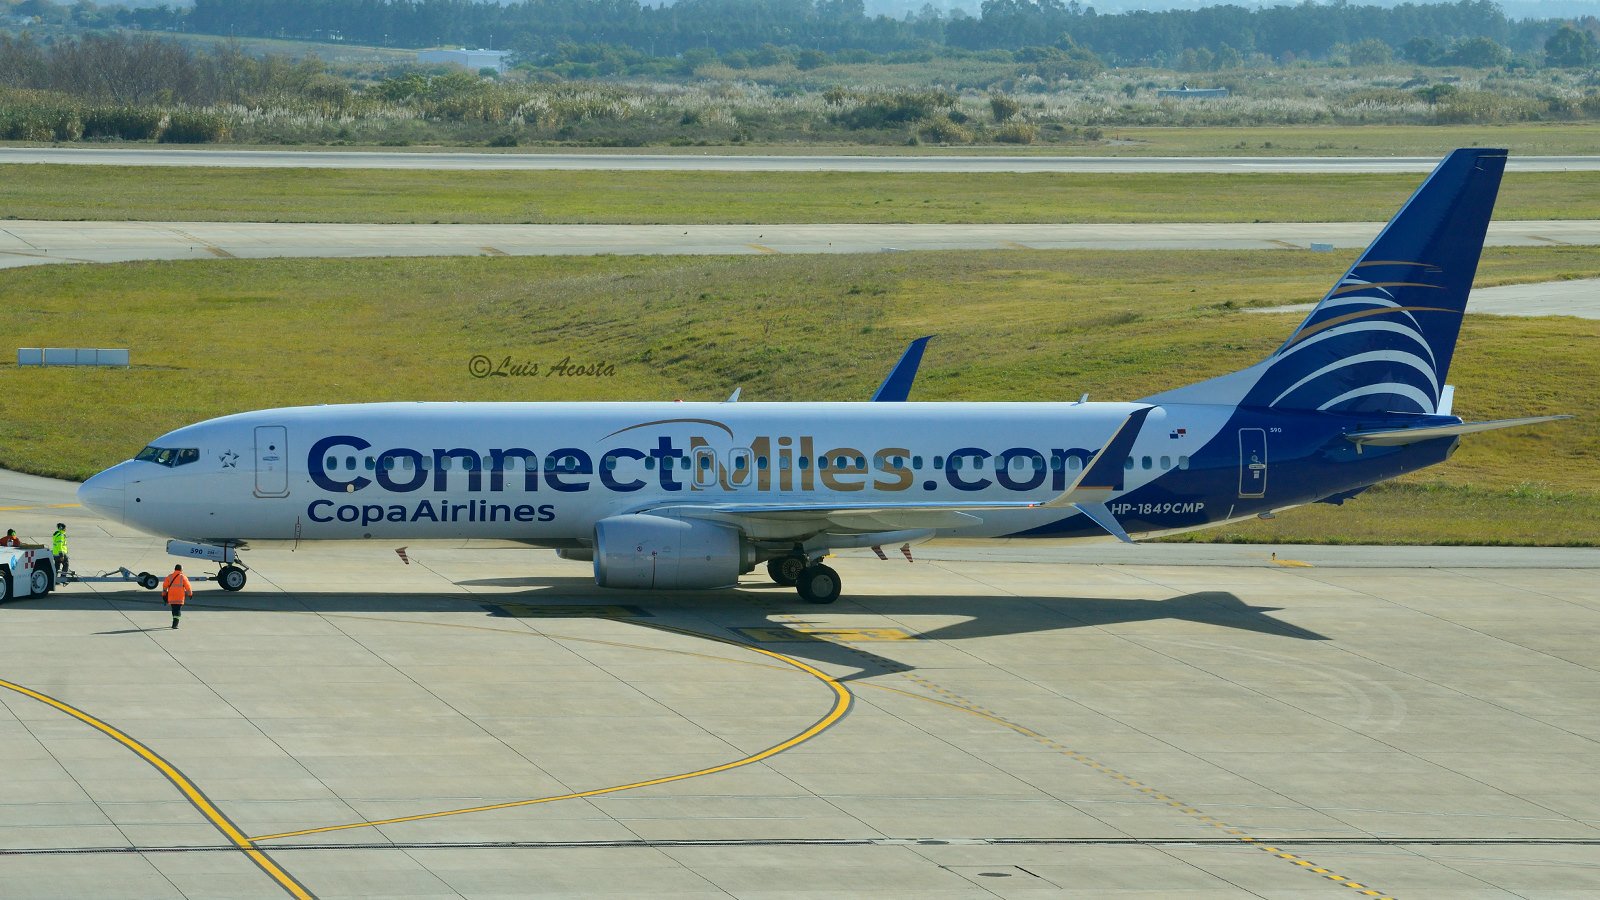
<point x="176" y="588"/>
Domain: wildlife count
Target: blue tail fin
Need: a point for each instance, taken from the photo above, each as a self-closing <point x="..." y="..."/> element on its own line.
<point x="1381" y="340"/>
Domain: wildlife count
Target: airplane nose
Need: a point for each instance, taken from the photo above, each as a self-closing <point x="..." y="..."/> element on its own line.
<point x="104" y="493"/>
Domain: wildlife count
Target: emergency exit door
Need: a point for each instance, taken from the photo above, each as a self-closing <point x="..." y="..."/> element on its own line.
<point x="272" y="461"/>
<point x="1252" y="462"/>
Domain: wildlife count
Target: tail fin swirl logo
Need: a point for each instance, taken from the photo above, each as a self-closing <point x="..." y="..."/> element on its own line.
<point x="1361" y="350"/>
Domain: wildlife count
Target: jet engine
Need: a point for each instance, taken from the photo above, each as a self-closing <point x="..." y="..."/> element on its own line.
<point x="645" y="551"/>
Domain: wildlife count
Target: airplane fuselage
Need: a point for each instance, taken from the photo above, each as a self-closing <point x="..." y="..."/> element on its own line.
<point x="545" y="473"/>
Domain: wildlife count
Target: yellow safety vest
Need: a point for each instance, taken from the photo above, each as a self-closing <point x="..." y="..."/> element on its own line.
<point x="58" y="543"/>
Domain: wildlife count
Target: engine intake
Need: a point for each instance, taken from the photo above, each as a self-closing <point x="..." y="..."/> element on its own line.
<point x="654" y="552"/>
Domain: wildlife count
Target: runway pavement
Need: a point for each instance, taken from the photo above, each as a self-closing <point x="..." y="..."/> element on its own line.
<point x="1579" y="297"/>
<point x="1337" y="722"/>
<point x="686" y="162"/>
<point x="26" y="243"/>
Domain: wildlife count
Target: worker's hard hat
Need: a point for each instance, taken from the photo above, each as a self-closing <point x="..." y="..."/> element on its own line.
<point x="61" y="524"/>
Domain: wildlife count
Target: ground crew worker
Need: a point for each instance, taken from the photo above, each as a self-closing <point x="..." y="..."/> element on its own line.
<point x="58" y="549"/>
<point x="11" y="539"/>
<point x="177" y="591"/>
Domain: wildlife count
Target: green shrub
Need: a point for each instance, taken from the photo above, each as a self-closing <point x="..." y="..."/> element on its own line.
<point x="1004" y="108"/>
<point x="123" y="123"/>
<point x="38" y="121"/>
<point x="194" y="126"/>
<point x="898" y="108"/>
<point x="941" y="130"/>
<point x="1016" y="133"/>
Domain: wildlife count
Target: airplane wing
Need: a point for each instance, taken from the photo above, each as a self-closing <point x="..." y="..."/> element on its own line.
<point x="1101" y="478"/>
<point x="1399" y="436"/>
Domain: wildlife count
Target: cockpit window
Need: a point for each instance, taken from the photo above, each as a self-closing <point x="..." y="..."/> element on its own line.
<point x="170" y="457"/>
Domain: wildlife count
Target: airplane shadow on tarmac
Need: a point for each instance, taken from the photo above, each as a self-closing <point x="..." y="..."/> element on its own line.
<point x="766" y="616"/>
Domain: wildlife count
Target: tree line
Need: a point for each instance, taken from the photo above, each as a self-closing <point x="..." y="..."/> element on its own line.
<point x="541" y="29"/>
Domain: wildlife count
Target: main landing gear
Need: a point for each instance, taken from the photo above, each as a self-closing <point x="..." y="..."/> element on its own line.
<point x="815" y="582"/>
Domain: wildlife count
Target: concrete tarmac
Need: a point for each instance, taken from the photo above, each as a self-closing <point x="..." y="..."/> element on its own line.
<point x="983" y="722"/>
<point x="1579" y="297"/>
<point x="687" y="162"/>
<point x="26" y="243"/>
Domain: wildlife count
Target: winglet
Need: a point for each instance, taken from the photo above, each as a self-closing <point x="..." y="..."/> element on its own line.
<point x="1103" y="476"/>
<point x="897" y="386"/>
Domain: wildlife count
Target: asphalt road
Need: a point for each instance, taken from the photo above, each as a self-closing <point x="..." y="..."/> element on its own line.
<point x="24" y="243"/>
<point x="1580" y="297"/>
<point x="319" y="159"/>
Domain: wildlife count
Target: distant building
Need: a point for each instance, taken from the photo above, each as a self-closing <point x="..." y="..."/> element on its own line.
<point x="1189" y="93"/>
<point x="471" y="60"/>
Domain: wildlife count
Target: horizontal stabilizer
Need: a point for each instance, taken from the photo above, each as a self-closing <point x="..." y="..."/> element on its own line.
<point x="1400" y="436"/>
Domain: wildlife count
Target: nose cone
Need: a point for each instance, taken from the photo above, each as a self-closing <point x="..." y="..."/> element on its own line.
<point x="104" y="493"/>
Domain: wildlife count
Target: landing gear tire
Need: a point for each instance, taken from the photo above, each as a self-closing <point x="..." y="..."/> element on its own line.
<point x="148" y="582"/>
<point x="785" y="570"/>
<point x="42" y="581"/>
<point x="819" y="584"/>
<point x="230" y="578"/>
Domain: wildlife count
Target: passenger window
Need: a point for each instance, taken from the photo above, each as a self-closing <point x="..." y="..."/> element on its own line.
<point x="761" y="463"/>
<point x="955" y="463"/>
<point x="369" y="463"/>
<point x="444" y="464"/>
<point x="783" y="463"/>
<point x="705" y="462"/>
<point x="1183" y="462"/>
<point x="861" y="462"/>
<point x="822" y="462"/>
<point x="938" y="462"/>
<point x="1145" y="463"/>
<point x="1074" y="463"/>
<point x="649" y="463"/>
<point x="916" y="462"/>
<point x="1128" y="463"/>
<point x="350" y="462"/>
<point x="1166" y="462"/>
<point x="611" y="463"/>
<point x="805" y="462"/>
<point x="738" y="463"/>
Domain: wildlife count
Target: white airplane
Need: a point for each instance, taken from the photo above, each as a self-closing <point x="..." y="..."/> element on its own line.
<point x="692" y="495"/>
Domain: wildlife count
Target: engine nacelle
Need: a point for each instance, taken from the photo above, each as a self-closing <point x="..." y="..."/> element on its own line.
<point x="655" y="552"/>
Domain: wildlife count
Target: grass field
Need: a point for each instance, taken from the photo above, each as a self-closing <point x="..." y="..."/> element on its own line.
<point x="366" y="195"/>
<point x="212" y="337"/>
